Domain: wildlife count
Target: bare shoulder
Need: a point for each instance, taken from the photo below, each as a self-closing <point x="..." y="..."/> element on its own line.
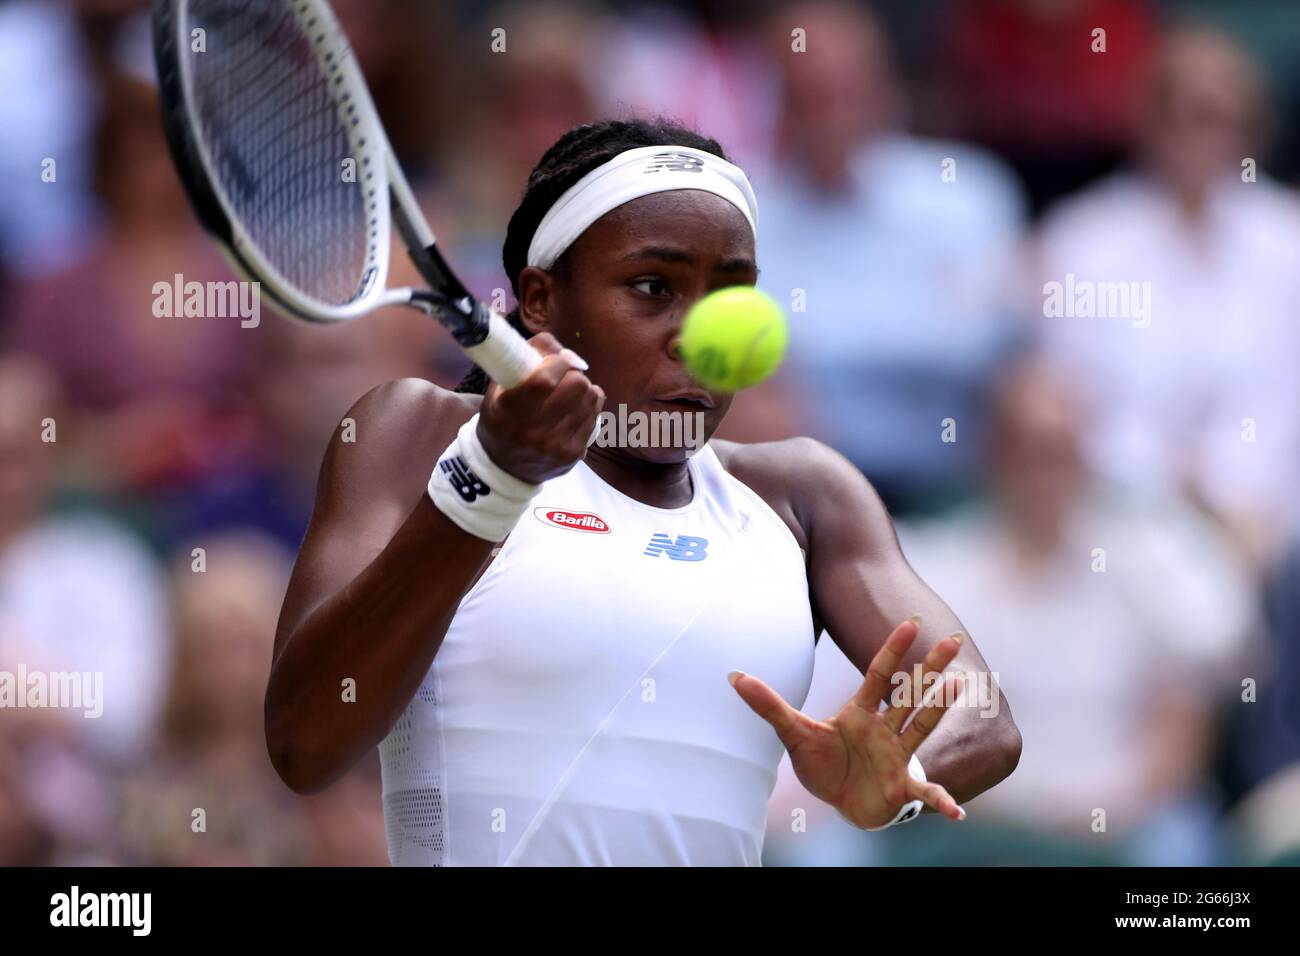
<point x="788" y="465"/>
<point x="398" y="430"/>
<point x="800" y="478"/>
<point x="777" y="471"/>
<point x="414" y="410"/>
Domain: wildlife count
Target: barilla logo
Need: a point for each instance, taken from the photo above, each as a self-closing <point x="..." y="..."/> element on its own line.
<point x="576" y="520"/>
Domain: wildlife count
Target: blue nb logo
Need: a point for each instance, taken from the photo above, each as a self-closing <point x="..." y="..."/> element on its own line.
<point x="685" y="548"/>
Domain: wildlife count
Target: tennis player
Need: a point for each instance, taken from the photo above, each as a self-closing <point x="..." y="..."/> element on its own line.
<point x="573" y="654"/>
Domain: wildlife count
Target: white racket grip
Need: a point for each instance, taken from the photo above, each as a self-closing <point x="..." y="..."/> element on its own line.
<point x="507" y="358"/>
<point x="505" y="355"/>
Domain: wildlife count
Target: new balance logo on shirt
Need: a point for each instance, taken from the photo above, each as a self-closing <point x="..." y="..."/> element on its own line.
<point x="685" y="548"/>
<point x="467" y="484"/>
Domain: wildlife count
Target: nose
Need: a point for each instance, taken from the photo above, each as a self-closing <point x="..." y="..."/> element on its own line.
<point x="675" y="333"/>
<point x="674" y="345"/>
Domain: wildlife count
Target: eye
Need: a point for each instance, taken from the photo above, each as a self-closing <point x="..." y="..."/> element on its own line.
<point x="651" y="286"/>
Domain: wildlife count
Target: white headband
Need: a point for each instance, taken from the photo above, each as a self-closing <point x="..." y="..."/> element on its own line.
<point x="630" y="175"/>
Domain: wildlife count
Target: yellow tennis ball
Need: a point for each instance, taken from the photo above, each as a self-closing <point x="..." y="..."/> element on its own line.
<point x="733" y="338"/>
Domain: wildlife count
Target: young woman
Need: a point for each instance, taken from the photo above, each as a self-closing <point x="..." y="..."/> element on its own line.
<point x="566" y="696"/>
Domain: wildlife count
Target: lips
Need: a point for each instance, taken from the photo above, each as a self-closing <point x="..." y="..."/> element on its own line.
<point x="691" y="397"/>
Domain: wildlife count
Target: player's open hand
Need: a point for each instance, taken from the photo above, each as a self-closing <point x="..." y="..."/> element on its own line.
<point x="857" y="760"/>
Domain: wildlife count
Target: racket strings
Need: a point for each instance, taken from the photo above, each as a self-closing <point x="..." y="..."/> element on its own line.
<point x="276" y="138"/>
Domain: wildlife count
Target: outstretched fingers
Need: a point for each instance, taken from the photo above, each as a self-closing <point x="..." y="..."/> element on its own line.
<point x="933" y="707"/>
<point x="876" y="683"/>
<point x="940" y="656"/>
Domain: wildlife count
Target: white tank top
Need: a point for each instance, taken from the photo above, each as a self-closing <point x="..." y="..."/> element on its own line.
<point x="578" y="712"/>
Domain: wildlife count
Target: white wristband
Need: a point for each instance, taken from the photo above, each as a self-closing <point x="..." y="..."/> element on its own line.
<point x="473" y="491"/>
<point x="912" y="809"/>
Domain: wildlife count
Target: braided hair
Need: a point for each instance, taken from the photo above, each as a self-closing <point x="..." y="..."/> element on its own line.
<point x="574" y="154"/>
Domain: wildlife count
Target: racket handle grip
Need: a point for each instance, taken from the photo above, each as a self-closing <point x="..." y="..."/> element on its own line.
<point x="505" y="355"/>
<point x="507" y="358"/>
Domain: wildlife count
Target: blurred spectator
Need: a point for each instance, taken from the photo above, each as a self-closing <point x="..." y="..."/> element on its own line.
<point x="77" y="592"/>
<point x="44" y="224"/>
<point x="700" y="63"/>
<point x="893" y="276"/>
<point x="156" y="391"/>
<point x="24" y="838"/>
<point x="1070" y="603"/>
<point x="1265" y="823"/>
<point x="1262" y="753"/>
<point x="1023" y="77"/>
<point x="526" y="96"/>
<point x="1114" y="685"/>
<point x="411" y="72"/>
<point x="1274" y="734"/>
<point x="305" y="379"/>
<point x="1197" y="388"/>
<point x="212" y="753"/>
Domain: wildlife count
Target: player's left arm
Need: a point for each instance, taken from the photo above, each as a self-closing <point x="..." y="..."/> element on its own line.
<point x="863" y="588"/>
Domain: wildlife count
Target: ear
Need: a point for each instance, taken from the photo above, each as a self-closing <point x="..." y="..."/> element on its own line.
<point x="536" y="299"/>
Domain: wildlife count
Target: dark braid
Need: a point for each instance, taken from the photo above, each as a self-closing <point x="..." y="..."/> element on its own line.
<point x="575" y="154"/>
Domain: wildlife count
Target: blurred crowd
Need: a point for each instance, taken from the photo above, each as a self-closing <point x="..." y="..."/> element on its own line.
<point x="1104" y="492"/>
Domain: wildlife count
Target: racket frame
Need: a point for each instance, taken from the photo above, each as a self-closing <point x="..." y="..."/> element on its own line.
<point x="487" y="337"/>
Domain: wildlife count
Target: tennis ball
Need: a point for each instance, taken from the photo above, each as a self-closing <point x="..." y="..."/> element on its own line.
<point x="733" y="338"/>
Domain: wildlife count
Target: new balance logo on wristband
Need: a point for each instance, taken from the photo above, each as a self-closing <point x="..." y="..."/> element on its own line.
<point x="485" y="501"/>
<point x="467" y="484"/>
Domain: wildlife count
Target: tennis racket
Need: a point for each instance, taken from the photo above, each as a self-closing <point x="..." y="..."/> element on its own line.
<point x="280" y="149"/>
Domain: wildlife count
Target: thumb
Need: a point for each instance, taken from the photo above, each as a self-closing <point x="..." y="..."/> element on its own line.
<point x="790" y="725"/>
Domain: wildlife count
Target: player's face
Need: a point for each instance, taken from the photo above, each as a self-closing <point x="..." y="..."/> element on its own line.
<point x="632" y="277"/>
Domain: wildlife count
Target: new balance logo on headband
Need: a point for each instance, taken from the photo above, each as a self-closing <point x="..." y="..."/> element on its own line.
<point x="685" y="548"/>
<point x="636" y="172"/>
<point x="674" y="163"/>
<point x="467" y="484"/>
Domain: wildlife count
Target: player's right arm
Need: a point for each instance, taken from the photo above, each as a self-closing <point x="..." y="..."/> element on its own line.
<point x="381" y="570"/>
